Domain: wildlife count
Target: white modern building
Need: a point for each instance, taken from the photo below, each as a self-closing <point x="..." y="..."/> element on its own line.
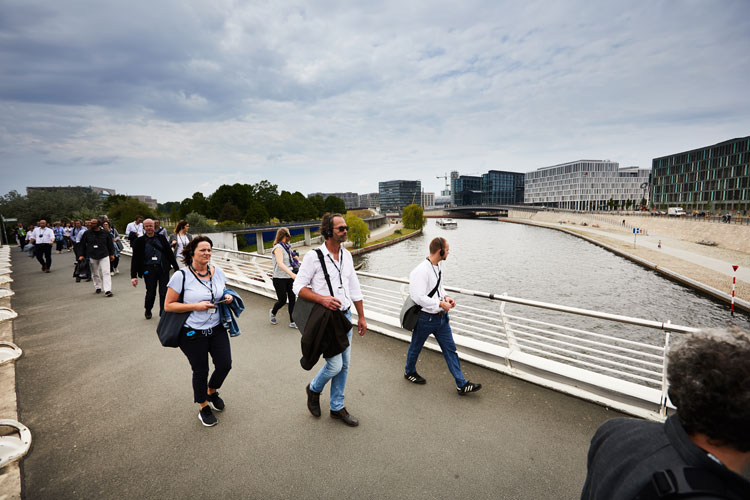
<point x="428" y="199"/>
<point x="586" y="185"/>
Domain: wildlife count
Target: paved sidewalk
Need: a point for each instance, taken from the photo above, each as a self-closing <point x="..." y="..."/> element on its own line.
<point x="112" y="415"/>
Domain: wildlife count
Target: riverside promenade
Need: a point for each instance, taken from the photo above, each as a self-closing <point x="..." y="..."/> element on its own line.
<point x="112" y="416"/>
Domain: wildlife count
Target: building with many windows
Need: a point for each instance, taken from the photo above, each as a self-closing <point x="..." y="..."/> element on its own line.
<point x="709" y="178"/>
<point x="351" y="200"/>
<point x="466" y="190"/>
<point x="586" y="185"/>
<point x="502" y="188"/>
<point x="395" y="195"/>
<point x="428" y="199"/>
<point x="369" y="200"/>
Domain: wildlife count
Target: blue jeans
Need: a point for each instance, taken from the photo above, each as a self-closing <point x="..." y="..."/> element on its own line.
<point x="335" y="370"/>
<point x="441" y="329"/>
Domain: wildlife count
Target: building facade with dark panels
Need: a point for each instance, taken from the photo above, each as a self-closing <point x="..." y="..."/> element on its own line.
<point x="502" y="188"/>
<point x="395" y="195"/>
<point x="467" y="190"/>
<point x="709" y="178"/>
<point x="351" y="200"/>
<point x="369" y="200"/>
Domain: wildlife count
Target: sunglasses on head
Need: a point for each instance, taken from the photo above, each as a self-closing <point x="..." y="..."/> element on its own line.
<point x="341" y="229"/>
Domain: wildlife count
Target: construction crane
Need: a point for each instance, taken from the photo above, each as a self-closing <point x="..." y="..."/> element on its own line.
<point x="446" y="177"/>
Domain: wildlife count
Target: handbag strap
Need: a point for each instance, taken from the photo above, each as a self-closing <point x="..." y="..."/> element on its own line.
<point x="325" y="269"/>
<point x="182" y="293"/>
<point x="440" y="275"/>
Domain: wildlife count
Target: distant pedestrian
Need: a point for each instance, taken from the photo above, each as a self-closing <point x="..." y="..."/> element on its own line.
<point x="42" y="238"/>
<point x="67" y="233"/>
<point x="160" y="230"/>
<point x="28" y="243"/>
<point x="285" y="268"/>
<point x="117" y="243"/>
<point x="659" y="244"/>
<point x="203" y="334"/>
<point x="20" y="235"/>
<point x="179" y="241"/>
<point x="59" y="237"/>
<point x="426" y="288"/>
<point x="152" y="259"/>
<point x="97" y="247"/>
<point x="134" y="230"/>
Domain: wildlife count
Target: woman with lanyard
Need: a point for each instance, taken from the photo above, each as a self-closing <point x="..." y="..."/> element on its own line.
<point x="285" y="267"/>
<point x="179" y="240"/>
<point x="203" y="332"/>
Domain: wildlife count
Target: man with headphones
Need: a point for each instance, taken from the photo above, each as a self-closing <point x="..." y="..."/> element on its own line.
<point x="426" y="290"/>
<point x="311" y="284"/>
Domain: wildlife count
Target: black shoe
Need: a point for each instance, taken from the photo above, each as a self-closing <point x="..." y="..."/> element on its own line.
<point x="148" y="314"/>
<point x="78" y="280"/>
<point x="469" y="387"/>
<point x="107" y="293"/>
<point x="98" y="290"/>
<point x="215" y="402"/>
<point x="206" y="416"/>
<point x="313" y="401"/>
<point x="342" y="414"/>
<point x="415" y="378"/>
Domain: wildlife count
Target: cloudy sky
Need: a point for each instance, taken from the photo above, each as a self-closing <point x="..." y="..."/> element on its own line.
<point x="169" y="97"/>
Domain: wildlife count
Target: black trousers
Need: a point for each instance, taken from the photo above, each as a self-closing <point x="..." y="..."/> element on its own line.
<point x="43" y="252"/>
<point x="115" y="262"/>
<point x="155" y="276"/>
<point x="196" y="348"/>
<point x="283" y="287"/>
<point x="59" y="245"/>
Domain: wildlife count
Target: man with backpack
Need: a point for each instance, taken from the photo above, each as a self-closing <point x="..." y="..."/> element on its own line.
<point x="702" y="451"/>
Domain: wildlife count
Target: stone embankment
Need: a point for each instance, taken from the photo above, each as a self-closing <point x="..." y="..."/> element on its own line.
<point x="670" y="244"/>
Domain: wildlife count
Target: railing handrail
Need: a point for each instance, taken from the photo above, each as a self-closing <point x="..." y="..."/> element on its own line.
<point x="660" y="325"/>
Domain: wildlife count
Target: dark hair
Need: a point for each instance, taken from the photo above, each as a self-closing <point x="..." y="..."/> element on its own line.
<point x="189" y="250"/>
<point x="179" y="226"/>
<point x="437" y="244"/>
<point x="326" y="225"/>
<point x="708" y="375"/>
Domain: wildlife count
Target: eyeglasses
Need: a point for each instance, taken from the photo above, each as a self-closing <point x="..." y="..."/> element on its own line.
<point x="342" y="229"/>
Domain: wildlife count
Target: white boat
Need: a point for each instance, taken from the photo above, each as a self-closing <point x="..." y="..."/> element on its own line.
<point x="447" y="223"/>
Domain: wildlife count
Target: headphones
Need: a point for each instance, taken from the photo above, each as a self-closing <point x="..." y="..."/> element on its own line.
<point x="442" y="248"/>
<point x="326" y="228"/>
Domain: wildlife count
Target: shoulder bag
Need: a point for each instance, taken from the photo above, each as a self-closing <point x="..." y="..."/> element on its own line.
<point x="410" y="310"/>
<point x="171" y="323"/>
<point x="303" y="307"/>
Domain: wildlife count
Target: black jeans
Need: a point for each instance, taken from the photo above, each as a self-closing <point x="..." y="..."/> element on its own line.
<point x="43" y="252"/>
<point x="59" y="245"/>
<point x="155" y="276"/>
<point x="196" y="348"/>
<point x="283" y="287"/>
<point x="115" y="262"/>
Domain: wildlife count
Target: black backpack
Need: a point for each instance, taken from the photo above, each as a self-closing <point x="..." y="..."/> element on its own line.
<point x="686" y="482"/>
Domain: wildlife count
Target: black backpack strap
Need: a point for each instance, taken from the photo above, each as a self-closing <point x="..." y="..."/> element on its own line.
<point x="325" y="269"/>
<point x="440" y="276"/>
<point x="182" y="293"/>
<point x="685" y="482"/>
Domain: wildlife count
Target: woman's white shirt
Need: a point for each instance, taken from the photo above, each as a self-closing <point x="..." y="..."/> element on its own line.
<point x="197" y="291"/>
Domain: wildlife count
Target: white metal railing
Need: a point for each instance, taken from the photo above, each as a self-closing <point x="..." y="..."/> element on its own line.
<point x="615" y="360"/>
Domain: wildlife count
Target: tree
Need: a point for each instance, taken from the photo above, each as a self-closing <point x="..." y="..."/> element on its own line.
<point x="334" y="204"/>
<point x="125" y="211"/>
<point x="198" y="222"/>
<point x="256" y="213"/>
<point x="62" y="205"/>
<point x="319" y="204"/>
<point x="628" y="203"/>
<point x="358" y="230"/>
<point x="229" y="211"/>
<point x="413" y="217"/>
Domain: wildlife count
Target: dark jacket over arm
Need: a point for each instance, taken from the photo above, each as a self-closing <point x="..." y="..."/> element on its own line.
<point x="138" y="261"/>
<point x="325" y="333"/>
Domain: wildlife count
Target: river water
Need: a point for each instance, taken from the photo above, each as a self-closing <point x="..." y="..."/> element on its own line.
<point x="550" y="266"/>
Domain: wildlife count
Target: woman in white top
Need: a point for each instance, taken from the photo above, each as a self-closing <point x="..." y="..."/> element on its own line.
<point x="203" y="332"/>
<point x="285" y="267"/>
<point x="179" y="240"/>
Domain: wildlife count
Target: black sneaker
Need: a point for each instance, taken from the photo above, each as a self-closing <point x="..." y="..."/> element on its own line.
<point x="98" y="290"/>
<point x="469" y="387"/>
<point x="414" y="378"/>
<point x="148" y="314"/>
<point x="216" y="402"/>
<point x="206" y="416"/>
<point x="107" y="293"/>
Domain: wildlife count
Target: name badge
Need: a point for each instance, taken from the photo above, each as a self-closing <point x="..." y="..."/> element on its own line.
<point x="154" y="258"/>
<point x="211" y="310"/>
<point x="96" y="246"/>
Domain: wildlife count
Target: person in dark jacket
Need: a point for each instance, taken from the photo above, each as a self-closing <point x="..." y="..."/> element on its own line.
<point x="705" y="445"/>
<point x="152" y="258"/>
<point x="97" y="246"/>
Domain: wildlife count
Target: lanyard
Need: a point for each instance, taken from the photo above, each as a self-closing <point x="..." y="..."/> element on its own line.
<point x="341" y="261"/>
<point x="210" y="286"/>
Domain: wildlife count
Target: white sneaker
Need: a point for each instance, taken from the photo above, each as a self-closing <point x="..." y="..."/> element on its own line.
<point x="292" y="325"/>
<point x="272" y="317"/>
<point x="117" y="271"/>
<point x="111" y="273"/>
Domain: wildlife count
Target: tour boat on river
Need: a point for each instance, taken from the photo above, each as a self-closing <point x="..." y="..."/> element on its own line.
<point x="447" y="223"/>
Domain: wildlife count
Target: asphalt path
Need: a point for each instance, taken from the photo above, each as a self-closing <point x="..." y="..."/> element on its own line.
<point x="112" y="416"/>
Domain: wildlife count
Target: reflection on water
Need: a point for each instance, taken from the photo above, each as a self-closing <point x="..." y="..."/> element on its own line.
<point x="550" y="266"/>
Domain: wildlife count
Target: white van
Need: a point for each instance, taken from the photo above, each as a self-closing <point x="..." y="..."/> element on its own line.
<point x="676" y="211"/>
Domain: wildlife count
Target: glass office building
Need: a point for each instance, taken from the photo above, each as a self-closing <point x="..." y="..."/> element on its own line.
<point x="502" y="188"/>
<point x="395" y="195"/>
<point x="467" y="190"/>
<point x="586" y="185"/>
<point x="709" y="178"/>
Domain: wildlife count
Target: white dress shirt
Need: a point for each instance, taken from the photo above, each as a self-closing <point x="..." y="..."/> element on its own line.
<point x="422" y="280"/>
<point x="341" y="272"/>
<point x="133" y="227"/>
<point x="45" y="235"/>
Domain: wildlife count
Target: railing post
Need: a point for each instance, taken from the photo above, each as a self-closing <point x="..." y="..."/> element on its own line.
<point x="259" y="242"/>
<point x="664" y="397"/>
<point x="512" y="345"/>
<point x="308" y="240"/>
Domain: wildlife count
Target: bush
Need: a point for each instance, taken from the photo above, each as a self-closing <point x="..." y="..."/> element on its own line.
<point x="413" y="217"/>
<point x="358" y="230"/>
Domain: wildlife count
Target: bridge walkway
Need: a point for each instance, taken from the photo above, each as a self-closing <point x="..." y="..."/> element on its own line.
<point x="112" y="416"/>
